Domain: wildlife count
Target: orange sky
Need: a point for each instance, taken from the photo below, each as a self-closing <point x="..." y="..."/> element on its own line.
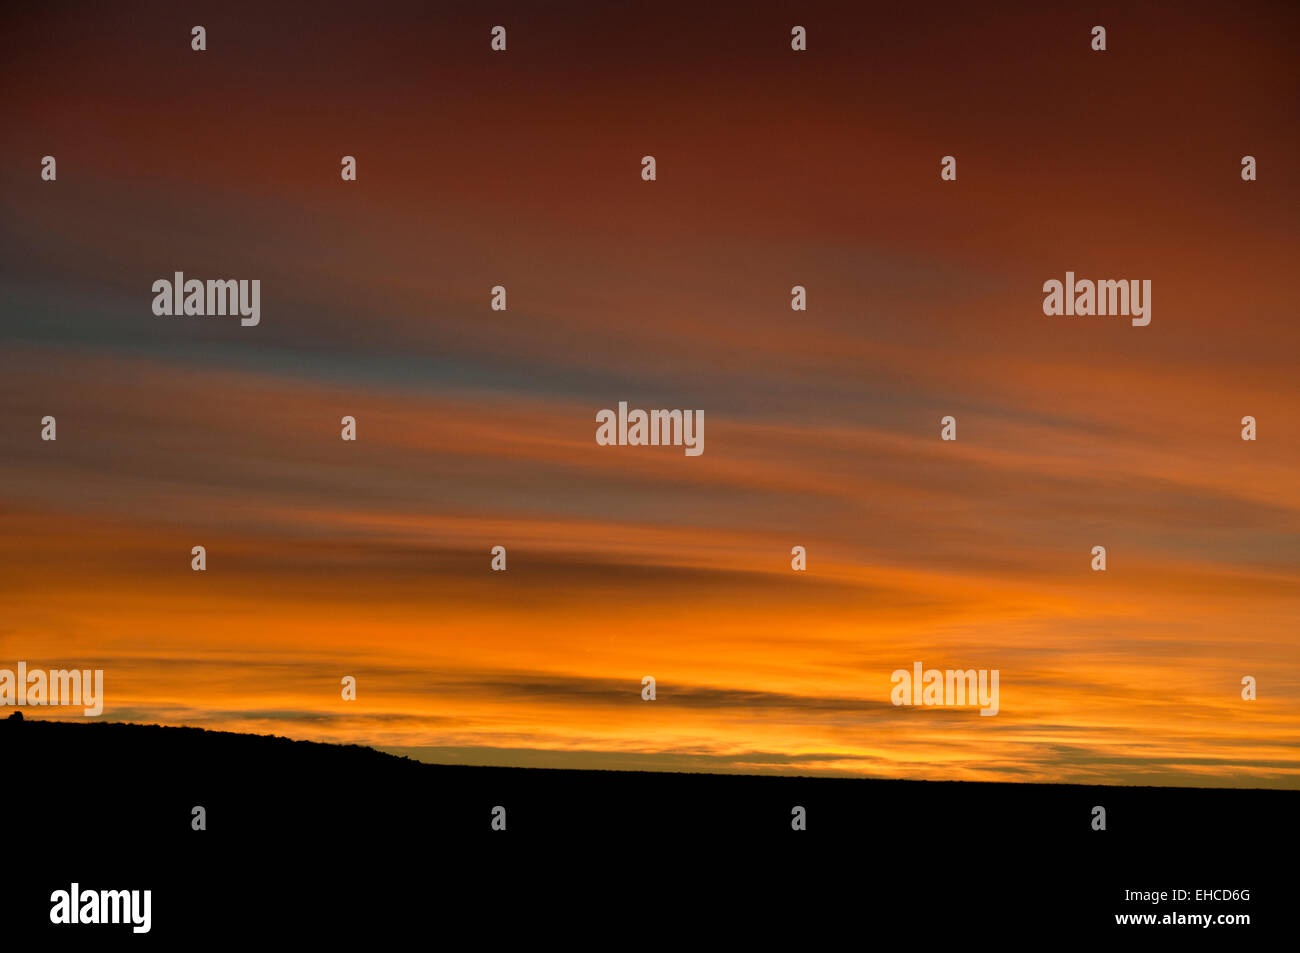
<point x="476" y="428"/>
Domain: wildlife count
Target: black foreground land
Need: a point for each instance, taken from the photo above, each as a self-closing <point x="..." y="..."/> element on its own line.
<point x="312" y="840"/>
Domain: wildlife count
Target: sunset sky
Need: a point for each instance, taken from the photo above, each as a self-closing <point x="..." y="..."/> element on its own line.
<point x="476" y="427"/>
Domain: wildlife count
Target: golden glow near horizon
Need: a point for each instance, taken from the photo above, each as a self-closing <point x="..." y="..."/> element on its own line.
<point x="1128" y="676"/>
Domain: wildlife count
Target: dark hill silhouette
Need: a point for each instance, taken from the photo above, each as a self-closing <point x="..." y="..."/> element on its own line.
<point x="114" y="801"/>
<point x="253" y="784"/>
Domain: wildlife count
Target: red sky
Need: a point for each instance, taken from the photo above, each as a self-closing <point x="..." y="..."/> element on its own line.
<point x="476" y="428"/>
